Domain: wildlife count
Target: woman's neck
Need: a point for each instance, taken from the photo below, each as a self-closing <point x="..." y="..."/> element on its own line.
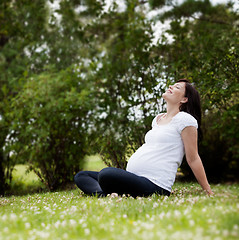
<point x="172" y="110"/>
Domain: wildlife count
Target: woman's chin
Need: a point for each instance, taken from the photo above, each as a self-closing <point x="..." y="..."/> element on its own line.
<point x="164" y="96"/>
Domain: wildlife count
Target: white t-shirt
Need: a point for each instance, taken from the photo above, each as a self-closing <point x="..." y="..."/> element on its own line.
<point x="160" y="156"/>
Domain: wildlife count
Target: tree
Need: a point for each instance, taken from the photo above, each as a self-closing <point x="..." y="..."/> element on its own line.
<point x="82" y="68"/>
<point x="126" y="83"/>
<point x="205" y="50"/>
<point x="49" y="126"/>
<point x="21" y="22"/>
<point x="36" y="40"/>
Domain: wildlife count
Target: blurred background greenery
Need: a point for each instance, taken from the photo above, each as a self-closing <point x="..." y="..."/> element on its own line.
<point x="79" y="78"/>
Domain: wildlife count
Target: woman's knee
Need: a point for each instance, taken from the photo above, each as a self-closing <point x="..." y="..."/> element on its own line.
<point x="79" y="175"/>
<point x="106" y="174"/>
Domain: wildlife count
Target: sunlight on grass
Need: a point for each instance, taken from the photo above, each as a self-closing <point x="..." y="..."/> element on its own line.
<point x="94" y="163"/>
<point x="24" y="182"/>
<point x="19" y="173"/>
<point x="187" y="214"/>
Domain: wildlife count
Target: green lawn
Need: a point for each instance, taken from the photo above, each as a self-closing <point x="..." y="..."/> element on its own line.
<point x="94" y="163"/>
<point x="187" y="214"/>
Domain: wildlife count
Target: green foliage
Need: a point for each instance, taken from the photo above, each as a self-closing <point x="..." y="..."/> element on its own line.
<point x="21" y="25"/>
<point x="205" y="49"/>
<point x="125" y="84"/>
<point x="157" y="3"/>
<point x="36" y="39"/>
<point x="49" y="125"/>
<point x="112" y="93"/>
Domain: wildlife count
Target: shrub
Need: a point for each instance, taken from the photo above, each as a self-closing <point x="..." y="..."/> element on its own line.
<point x="49" y="125"/>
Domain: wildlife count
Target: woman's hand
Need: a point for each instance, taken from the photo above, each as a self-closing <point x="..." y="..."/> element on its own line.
<point x="209" y="192"/>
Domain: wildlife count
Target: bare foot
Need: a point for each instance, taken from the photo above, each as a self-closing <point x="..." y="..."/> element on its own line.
<point x="113" y="195"/>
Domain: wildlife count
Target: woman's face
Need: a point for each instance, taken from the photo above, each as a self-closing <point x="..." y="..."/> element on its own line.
<point x="176" y="93"/>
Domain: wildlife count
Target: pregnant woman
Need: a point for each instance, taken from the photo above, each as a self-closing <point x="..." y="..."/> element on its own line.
<point x="153" y="167"/>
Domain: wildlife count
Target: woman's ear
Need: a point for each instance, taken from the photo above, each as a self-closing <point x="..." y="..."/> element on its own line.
<point x="184" y="100"/>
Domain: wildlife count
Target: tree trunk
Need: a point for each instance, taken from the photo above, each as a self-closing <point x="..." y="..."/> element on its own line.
<point x="2" y="176"/>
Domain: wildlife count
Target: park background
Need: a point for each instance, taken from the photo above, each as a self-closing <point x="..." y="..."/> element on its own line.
<point x="80" y="82"/>
<point x="80" y="78"/>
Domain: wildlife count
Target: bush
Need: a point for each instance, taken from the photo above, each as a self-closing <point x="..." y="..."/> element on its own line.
<point x="49" y="125"/>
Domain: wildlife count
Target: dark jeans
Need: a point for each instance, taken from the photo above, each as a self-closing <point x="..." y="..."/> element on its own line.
<point x="115" y="180"/>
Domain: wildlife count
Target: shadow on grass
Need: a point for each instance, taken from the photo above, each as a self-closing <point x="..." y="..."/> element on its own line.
<point x="19" y="188"/>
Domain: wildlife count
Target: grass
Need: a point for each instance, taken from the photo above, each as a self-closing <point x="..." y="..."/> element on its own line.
<point x="24" y="182"/>
<point x="187" y="214"/>
<point x="94" y="163"/>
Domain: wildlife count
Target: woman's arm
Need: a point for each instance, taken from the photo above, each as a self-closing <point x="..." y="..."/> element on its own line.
<point x="189" y="136"/>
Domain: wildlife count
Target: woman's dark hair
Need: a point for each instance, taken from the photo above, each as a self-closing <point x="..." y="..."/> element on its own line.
<point x="193" y="105"/>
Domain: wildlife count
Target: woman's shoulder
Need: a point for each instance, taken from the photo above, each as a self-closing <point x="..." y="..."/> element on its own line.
<point x="185" y="115"/>
<point x="184" y="119"/>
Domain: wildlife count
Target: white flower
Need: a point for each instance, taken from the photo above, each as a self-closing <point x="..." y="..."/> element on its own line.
<point x="73" y="209"/>
<point x="191" y="223"/>
<point x="27" y="225"/>
<point x="63" y="224"/>
<point x="57" y="224"/>
<point x="186" y="211"/>
<point x="81" y="221"/>
<point x="209" y="220"/>
<point x="13" y="216"/>
<point x="170" y="227"/>
<point x="177" y="213"/>
<point x="72" y="222"/>
<point x="155" y="205"/>
<point x="168" y="214"/>
<point x="165" y="198"/>
<point x="65" y="236"/>
<point x="113" y="195"/>
<point x="225" y="233"/>
<point x="148" y="226"/>
<point x="84" y="225"/>
<point x="161" y="215"/>
<point x="87" y="231"/>
<point x="42" y="234"/>
<point x="235" y="227"/>
<point x="48" y="226"/>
